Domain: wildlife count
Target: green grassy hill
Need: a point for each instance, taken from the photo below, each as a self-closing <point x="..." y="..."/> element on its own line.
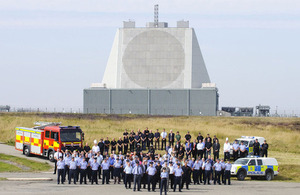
<point x="282" y="134"/>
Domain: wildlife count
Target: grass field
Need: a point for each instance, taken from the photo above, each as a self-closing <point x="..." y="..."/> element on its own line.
<point x="282" y="134"/>
<point x="21" y="162"/>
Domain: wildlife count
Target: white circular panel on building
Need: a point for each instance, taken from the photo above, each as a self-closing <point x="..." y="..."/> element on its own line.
<point x="153" y="59"/>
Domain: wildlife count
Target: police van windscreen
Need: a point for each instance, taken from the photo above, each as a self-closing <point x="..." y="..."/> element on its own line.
<point x="70" y="135"/>
<point x="241" y="161"/>
<point x="244" y="142"/>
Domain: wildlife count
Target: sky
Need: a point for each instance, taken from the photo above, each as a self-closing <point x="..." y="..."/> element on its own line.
<point x="50" y="50"/>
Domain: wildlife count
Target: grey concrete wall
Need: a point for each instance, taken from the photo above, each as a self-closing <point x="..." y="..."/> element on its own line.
<point x="153" y="101"/>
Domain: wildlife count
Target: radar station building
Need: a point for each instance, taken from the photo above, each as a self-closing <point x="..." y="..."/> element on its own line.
<point x="155" y="70"/>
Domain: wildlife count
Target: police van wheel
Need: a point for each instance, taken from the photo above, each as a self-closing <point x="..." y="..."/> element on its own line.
<point x="269" y="175"/>
<point x="241" y="175"/>
<point x="26" y="151"/>
<point x="51" y="156"/>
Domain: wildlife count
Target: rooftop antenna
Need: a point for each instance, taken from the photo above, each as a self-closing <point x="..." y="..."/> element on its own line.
<point x="156" y="15"/>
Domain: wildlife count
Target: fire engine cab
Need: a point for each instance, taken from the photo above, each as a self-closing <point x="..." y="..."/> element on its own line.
<point x="45" y="139"/>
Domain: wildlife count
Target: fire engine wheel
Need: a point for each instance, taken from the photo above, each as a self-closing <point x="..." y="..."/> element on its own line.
<point x="51" y="156"/>
<point x="26" y="151"/>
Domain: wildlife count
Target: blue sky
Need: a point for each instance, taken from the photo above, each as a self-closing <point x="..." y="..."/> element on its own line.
<point x="51" y="50"/>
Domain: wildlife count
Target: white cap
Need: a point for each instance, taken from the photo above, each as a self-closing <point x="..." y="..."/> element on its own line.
<point x="226" y="138"/>
<point x="95" y="141"/>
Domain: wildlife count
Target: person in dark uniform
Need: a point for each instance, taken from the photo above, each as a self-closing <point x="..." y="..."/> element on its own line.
<point x="72" y="148"/>
<point x="144" y="140"/>
<point x="194" y="149"/>
<point x="137" y="139"/>
<point x="138" y="150"/>
<point x="181" y="153"/>
<point x="187" y="137"/>
<point x="131" y="143"/>
<point x="150" y="138"/>
<point x="120" y="145"/>
<point x="256" y="146"/>
<point x="208" y="146"/>
<point x="156" y="139"/>
<point x="164" y="180"/>
<point x="144" y="179"/>
<point x="125" y="143"/>
<point x="199" y="137"/>
<point x="79" y="149"/>
<point x="125" y="133"/>
<point x="216" y="149"/>
<point x="157" y="175"/>
<point x="151" y="151"/>
<point x="113" y="144"/>
<point x="207" y="137"/>
<point x="86" y="148"/>
<point x="186" y="177"/>
<point x="178" y="175"/>
<point x="101" y="146"/>
<point x="215" y="139"/>
<point x="60" y="170"/>
<point x="151" y="172"/>
<point x="63" y="148"/>
<point x="171" y="138"/>
<point x="146" y="132"/>
<point x="106" y="145"/>
<point x="264" y="148"/>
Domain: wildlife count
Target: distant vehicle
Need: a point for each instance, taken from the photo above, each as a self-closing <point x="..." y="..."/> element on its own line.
<point x="45" y="139"/>
<point x="248" y="141"/>
<point x="255" y="167"/>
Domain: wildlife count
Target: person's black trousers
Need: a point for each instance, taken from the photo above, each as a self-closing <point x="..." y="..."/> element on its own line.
<point x="60" y="175"/>
<point x="217" y="177"/>
<point x="227" y="177"/>
<point x="152" y="182"/>
<point x="72" y="174"/>
<point x="177" y="182"/>
<point x="94" y="176"/>
<point x="83" y="176"/>
<point x="105" y="176"/>
<point x="164" y="182"/>
<point x="128" y="180"/>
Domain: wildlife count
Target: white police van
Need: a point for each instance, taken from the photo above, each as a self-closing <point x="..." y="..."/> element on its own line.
<point x="248" y="141"/>
<point x="255" y="167"/>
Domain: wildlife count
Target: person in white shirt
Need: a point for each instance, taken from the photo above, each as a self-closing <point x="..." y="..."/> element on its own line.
<point x="164" y="139"/>
<point x="200" y="149"/>
<point x="226" y="150"/>
<point x="95" y="148"/>
<point x="56" y="157"/>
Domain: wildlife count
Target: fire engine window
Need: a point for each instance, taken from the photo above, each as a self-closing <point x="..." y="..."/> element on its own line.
<point x="53" y="135"/>
<point x="78" y="135"/>
<point x="47" y="134"/>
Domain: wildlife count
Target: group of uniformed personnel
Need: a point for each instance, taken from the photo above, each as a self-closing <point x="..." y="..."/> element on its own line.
<point x="177" y="167"/>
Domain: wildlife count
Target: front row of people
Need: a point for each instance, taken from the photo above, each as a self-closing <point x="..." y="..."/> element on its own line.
<point x="148" y="172"/>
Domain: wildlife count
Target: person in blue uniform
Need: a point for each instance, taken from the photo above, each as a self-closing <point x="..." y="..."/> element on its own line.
<point x="128" y="174"/>
<point x="67" y="160"/>
<point x="105" y="167"/>
<point x="83" y="167"/>
<point x="60" y="170"/>
<point x="178" y="175"/>
<point x="164" y="180"/>
<point x="235" y="148"/>
<point x="196" y="171"/>
<point x="151" y="171"/>
<point x="72" y="169"/>
<point x="95" y="167"/>
<point x="137" y="175"/>
<point x="117" y="171"/>
<point x="227" y="172"/>
<point x="206" y="167"/>
<point x="243" y="151"/>
<point x="218" y="168"/>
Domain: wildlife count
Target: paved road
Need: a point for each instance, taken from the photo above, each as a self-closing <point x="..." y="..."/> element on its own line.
<point x="10" y="150"/>
<point x="50" y="187"/>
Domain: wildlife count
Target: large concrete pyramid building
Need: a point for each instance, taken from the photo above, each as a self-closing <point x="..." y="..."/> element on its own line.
<point x="155" y="70"/>
<point x="155" y="57"/>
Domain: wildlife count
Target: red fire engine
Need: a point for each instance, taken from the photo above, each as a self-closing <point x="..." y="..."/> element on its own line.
<point x="44" y="140"/>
